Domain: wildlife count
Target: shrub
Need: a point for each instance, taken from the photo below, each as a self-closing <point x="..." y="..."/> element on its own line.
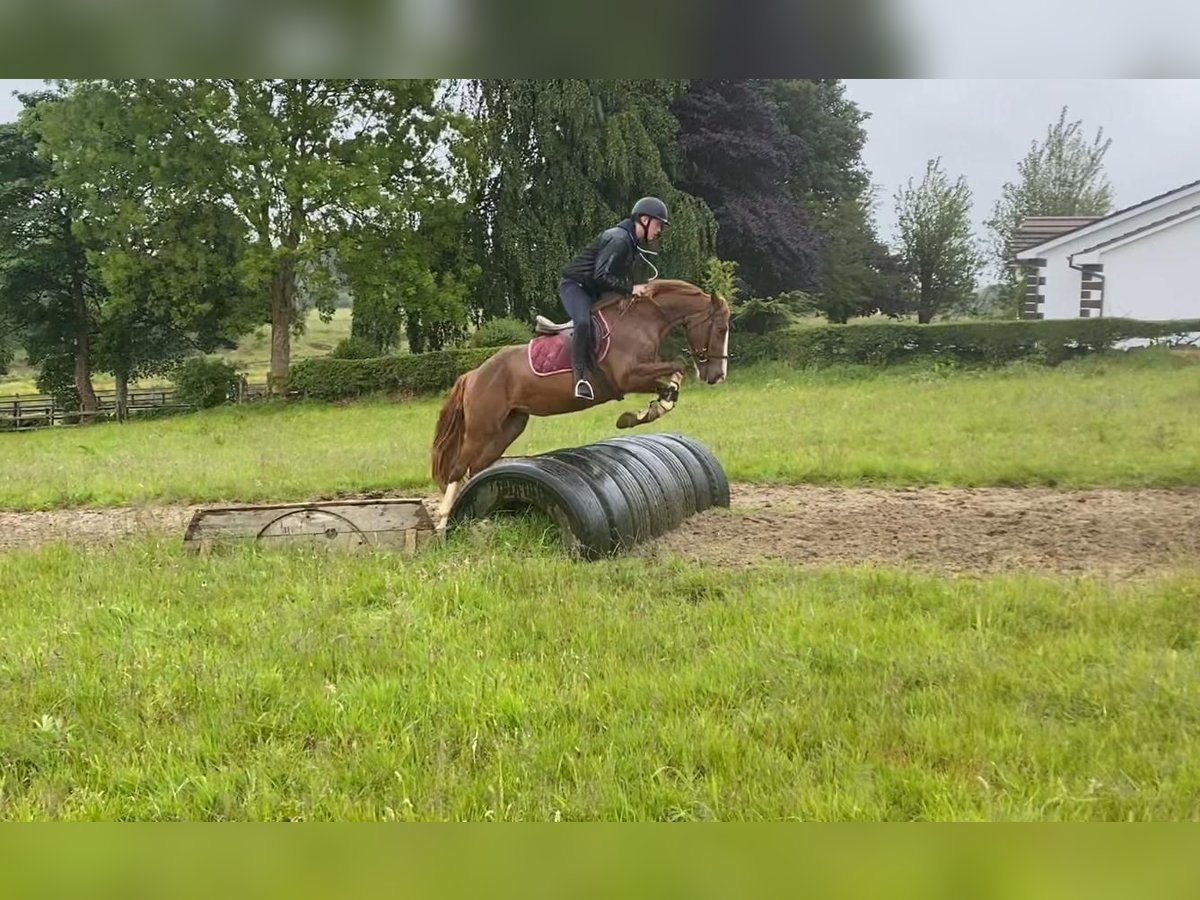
<point x="354" y="348"/>
<point x="760" y="317"/>
<point x="202" y="382"/>
<point x="415" y="373"/>
<point x="501" y="332"/>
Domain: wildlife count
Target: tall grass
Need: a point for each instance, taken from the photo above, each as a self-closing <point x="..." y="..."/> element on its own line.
<point x="478" y="682"/>
<point x="1125" y="421"/>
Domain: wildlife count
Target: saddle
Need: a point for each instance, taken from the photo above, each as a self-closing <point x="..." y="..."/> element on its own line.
<point x="550" y="353"/>
<point x="542" y="325"/>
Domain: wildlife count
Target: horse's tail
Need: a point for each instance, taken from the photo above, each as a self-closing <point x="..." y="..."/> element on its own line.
<point x="448" y="438"/>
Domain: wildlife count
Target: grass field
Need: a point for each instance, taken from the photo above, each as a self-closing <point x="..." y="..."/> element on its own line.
<point x="252" y="355"/>
<point x="493" y="679"/>
<point x="1098" y="422"/>
<point x="500" y="682"/>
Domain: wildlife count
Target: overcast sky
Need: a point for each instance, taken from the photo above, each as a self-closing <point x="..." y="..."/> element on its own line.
<point x="982" y="128"/>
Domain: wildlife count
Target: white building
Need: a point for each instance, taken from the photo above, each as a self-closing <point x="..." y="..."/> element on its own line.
<point x="1140" y="262"/>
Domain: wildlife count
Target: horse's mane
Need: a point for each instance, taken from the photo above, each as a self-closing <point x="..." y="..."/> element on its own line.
<point x="674" y="285"/>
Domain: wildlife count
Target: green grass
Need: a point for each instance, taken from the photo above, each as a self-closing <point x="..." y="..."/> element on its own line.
<point x="1125" y="422"/>
<point x="481" y="682"/>
<point x="252" y="355"/>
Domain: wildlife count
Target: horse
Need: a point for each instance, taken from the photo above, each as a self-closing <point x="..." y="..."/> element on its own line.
<point x="489" y="406"/>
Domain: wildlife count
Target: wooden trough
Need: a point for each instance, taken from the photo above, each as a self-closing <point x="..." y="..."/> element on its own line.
<point x="403" y="524"/>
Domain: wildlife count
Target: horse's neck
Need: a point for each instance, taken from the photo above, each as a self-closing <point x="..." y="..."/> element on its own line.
<point x="676" y="307"/>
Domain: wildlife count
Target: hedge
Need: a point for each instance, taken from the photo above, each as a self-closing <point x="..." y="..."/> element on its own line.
<point x="990" y="343"/>
<point x="883" y="343"/>
<point x="325" y="378"/>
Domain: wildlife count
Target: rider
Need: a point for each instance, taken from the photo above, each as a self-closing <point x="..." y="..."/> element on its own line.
<point x="605" y="265"/>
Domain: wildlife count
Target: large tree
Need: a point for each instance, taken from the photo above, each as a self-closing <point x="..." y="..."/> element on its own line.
<point x="48" y="290"/>
<point x="567" y="158"/>
<point x="831" y="180"/>
<point x="301" y="163"/>
<point x="741" y="159"/>
<point x="937" y="249"/>
<point x="1063" y="175"/>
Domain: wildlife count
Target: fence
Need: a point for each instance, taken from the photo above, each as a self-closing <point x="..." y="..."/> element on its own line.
<point x="42" y="411"/>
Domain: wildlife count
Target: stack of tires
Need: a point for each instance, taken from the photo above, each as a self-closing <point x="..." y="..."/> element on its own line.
<point x="605" y="497"/>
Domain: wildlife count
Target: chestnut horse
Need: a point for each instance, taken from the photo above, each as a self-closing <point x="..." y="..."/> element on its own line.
<point x="489" y="406"/>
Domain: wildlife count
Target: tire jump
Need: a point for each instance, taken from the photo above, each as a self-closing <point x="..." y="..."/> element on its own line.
<point x="604" y="497"/>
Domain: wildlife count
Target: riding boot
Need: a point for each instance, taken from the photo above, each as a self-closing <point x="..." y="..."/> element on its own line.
<point x="581" y="355"/>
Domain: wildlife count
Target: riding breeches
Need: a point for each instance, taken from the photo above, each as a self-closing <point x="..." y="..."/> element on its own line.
<point x="578" y="304"/>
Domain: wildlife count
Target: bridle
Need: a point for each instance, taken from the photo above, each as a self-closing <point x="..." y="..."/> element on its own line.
<point x="700" y="356"/>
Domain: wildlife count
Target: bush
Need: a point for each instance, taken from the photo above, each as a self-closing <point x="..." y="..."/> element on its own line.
<point x="415" y="373"/>
<point x="760" y="317"/>
<point x="987" y="343"/>
<point x="355" y="348"/>
<point x="502" y="332"/>
<point x="202" y="382"/>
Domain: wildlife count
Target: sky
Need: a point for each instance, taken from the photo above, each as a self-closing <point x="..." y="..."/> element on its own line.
<point x="982" y="128"/>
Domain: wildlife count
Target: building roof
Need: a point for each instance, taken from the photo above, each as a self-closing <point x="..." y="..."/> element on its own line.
<point x="1149" y="226"/>
<point x="1100" y="220"/>
<point x="1035" y="230"/>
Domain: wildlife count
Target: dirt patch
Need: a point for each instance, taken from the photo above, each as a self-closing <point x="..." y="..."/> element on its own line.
<point x="986" y="529"/>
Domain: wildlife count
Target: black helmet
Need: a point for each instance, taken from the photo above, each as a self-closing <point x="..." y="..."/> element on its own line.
<point x="651" y="206"/>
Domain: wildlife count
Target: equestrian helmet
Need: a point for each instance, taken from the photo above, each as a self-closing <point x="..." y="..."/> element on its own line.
<point x="651" y="206"/>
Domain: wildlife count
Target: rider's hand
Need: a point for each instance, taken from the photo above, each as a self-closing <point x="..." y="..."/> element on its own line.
<point x="639" y="289"/>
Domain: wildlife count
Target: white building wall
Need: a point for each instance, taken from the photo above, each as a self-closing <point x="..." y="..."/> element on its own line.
<point x="1060" y="293"/>
<point x="1156" y="277"/>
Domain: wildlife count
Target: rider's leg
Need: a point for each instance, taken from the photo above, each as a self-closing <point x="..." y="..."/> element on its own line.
<point x="578" y="304"/>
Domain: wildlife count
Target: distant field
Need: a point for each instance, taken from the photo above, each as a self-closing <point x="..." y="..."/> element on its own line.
<point x="1120" y="422"/>
<point x="252" y="355"/>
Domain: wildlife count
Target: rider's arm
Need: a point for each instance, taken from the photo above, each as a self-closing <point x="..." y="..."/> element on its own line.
<point x="613" y="269"/>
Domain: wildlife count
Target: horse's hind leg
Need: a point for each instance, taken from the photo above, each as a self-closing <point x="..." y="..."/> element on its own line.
<point x="493" y="449"/>
<point x="481" y="447"/>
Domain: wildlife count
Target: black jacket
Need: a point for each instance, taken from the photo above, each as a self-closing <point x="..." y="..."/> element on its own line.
<point x="606" y="264"/>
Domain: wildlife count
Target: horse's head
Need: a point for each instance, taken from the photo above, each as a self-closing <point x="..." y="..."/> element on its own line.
<point x="705" y="319"/>
<point x="708" y="339"/>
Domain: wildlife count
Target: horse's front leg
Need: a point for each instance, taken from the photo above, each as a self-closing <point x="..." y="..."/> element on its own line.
<point x="662" y="378"/>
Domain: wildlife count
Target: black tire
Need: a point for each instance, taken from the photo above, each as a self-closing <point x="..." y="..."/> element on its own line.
<point x="696" y="470"/>
<point x="661" y="507"/>
<point x="549" y="485"/>
<point x="622" y="497"/>
<point x="718" y="482"/>
<point x="681" y="485"/>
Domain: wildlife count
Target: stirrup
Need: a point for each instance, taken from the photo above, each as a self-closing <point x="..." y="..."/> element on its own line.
<point x="583" y="390"/>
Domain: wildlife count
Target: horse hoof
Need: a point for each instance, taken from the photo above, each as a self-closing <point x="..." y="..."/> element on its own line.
<point x="627" y="420"/>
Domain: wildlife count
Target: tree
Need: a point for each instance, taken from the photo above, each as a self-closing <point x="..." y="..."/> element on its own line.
<point x="831" y="171"/>
<point x="300" y="162"/>
<point x="8" y="342"/>
<point x="857" y="275"/>
<point x="740" y="159"/>
<point x="172" y="292"/>
<point x="938" y="253"/>
<point x="1062" y="176"/>
<point x="165" y="249"/>
<point x="48" y="291"/>
<point x="567" y="158"/>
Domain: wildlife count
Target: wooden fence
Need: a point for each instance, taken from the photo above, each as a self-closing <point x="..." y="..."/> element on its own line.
<point x="25" y="411"/>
